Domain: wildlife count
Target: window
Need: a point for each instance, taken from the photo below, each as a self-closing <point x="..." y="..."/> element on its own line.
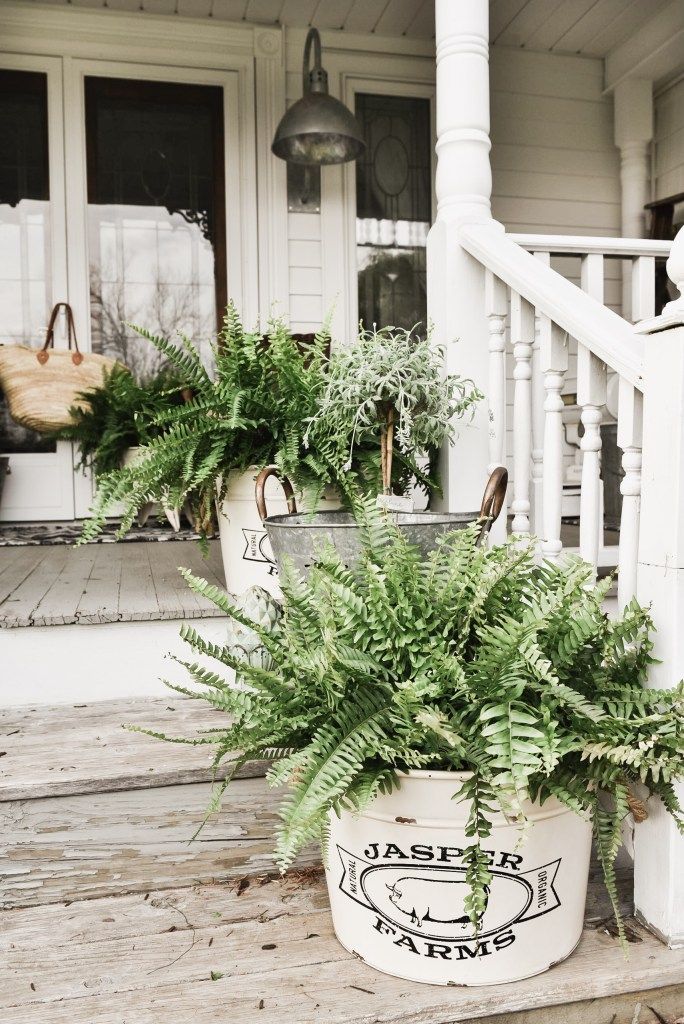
<point x="393" y="209"/>
<point x="25" y="284"/>
<point x="156" y="215"/>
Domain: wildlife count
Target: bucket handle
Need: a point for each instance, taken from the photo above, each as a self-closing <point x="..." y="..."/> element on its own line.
<point x="490" y="509"/>
<point x="493" y="499"/>
<point x="260" y="491"/>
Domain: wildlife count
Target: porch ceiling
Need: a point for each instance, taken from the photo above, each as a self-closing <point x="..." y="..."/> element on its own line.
<point x="414" y="18"/>
<point x="589" y="27"/>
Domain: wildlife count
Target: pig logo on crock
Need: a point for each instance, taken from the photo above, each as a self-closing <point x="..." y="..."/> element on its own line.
<point x="430" y="901"/>
<point x="441" y="901"/>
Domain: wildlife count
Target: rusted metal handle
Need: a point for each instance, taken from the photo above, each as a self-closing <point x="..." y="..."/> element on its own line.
<point x="493" y="499"/>
<point x="260" y="491"/>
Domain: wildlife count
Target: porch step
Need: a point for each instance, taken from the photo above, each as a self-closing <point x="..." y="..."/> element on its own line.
<point x="95" y="623"/>
<point x="104" y="583"/>
<point x="111" y="915"/>
<point x="91" y="809"/>
<point x="266" y="951"/>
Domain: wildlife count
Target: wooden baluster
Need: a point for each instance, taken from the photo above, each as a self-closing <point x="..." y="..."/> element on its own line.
<point x="553" y="359"/>
<point x="538" y="421"/>
<point x="522" y="339"/>
<point x="496" y="306"/>
<point x="629" y="435"/>
<point x="630" y="418"/>
<point x="643" y="288"/>
<point x="591" y="397"/>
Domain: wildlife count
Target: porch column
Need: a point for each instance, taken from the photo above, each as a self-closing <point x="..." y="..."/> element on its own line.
<point x="633" y="98"/>
<point x="463" y="185"/>
<point x="658" y="846"/>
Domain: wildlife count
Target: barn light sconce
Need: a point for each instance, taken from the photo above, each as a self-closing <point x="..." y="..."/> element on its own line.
<point x="316" y="130"/>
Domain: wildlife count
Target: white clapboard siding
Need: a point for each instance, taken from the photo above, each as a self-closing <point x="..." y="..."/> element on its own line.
<point x="553" y="156"/>
<point x="306" y="288"/>
<point x="669" y="141"/>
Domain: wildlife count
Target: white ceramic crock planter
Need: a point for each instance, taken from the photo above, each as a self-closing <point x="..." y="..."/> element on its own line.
<point x="146" y="510"/>
<point x="245" y="548"/>
<point x="396" y="880"/>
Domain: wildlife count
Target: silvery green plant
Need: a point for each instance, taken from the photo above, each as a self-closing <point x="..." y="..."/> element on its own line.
<point x="477" y="660"/>
<point x="388" y="395"/>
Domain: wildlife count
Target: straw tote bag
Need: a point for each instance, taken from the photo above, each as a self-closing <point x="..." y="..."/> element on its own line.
<point x="41" y="385"/>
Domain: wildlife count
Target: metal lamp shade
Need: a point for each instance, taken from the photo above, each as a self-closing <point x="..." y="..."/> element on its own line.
<point x="317" y="129"/>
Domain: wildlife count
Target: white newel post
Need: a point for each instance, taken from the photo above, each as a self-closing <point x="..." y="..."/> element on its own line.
<point x="463" y="185"/>
<point x="658" y="847"/>
<point x="633" y="115"/>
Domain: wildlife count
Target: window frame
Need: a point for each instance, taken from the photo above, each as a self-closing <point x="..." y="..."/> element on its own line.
<point x="56" y="501"/>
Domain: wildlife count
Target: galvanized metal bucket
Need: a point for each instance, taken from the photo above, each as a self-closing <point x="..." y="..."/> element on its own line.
<point x="301" y="537"/>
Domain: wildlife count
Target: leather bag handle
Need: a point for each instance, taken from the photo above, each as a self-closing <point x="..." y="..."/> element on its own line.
<point x="43" y="354"/>
<point x="260" y="491"/>
<point x="493" y="499"/>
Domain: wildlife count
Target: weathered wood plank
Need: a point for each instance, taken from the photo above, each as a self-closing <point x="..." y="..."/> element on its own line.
<point x="59" y="603"/>
<point x="64" y="750"/>
<point x="19" y="604"/>
<point x="104" y="583"/>
<point x="146" y="960"/>
<point x="10" y="558"/>
<point x="137" y="594"/>
<point x="100" y="599"/>
<point x="81" y="847"/>
<point x="173" y="593"/>
<point x="626" y="1008"/>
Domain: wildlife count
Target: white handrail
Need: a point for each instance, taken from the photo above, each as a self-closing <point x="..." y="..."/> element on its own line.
<point x="604" y="333"/>
<point x="580" y="245"/>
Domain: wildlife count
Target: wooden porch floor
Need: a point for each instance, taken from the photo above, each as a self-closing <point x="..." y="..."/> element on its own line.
<point x="112" y="916"/>
<point x="59" y="585"/>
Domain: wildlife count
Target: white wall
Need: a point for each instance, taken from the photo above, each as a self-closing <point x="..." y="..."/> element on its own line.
<point x="555" y="166"/>
<point x="669" y="141"/>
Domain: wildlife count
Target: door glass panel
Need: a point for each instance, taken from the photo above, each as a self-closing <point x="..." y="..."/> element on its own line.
<point x="156" y="215"/>
<point x="393" y="209"/>
<point x="25" y="285"/>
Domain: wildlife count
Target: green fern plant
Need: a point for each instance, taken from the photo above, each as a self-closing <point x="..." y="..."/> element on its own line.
<point x="474" y="660"/>
<point x="358" y="419"/>
<point x="120" y="414"/>
<point x="249" y="411"/>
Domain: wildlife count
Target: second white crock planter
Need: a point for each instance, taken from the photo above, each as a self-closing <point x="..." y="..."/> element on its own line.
<point x="245" y="548"/>
<point x="147" y="508"/>
<point x="396" y="879"/>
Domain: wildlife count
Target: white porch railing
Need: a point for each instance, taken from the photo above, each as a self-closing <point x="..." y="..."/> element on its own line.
<point x="545" y="310"/>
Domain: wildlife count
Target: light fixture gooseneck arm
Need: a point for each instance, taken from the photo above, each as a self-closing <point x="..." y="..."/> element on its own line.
<point x="314" y="79"/>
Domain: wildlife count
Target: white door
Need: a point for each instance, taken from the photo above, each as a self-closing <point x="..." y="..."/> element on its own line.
<point x="151" y="152"/>
<point x="40" y="484"/>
